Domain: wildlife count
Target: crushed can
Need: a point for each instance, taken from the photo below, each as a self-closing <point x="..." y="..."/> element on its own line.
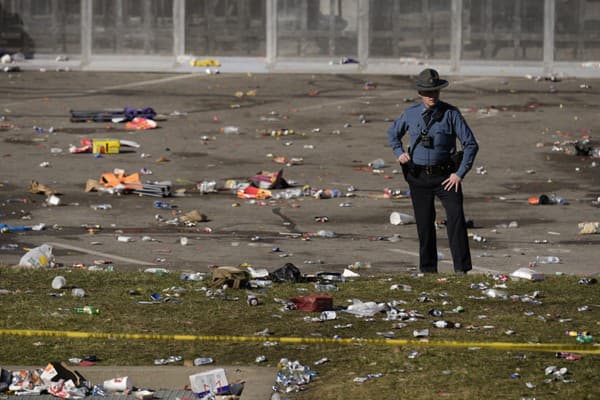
<point x="252" y="300"/>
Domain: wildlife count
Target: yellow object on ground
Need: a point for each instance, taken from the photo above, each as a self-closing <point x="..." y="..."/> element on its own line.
<point x="205" y="63"/>
<point x="106" y="146"/>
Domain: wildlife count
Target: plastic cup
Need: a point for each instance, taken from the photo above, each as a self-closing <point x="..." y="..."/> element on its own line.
<point x="328" y="315"/>
<point x="397" y="218"/>
<point x="118" y="384"/>
<point x="59" y="282"/>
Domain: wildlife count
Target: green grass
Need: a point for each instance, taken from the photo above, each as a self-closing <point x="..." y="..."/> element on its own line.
<point x="438" y="372"/>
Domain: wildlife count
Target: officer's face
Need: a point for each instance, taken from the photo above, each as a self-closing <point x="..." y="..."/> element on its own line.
<point x="429" y="99"/>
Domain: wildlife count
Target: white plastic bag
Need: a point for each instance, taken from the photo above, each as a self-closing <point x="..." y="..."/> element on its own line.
<point x="364" y="309"/>
<point x="38" y="257"/>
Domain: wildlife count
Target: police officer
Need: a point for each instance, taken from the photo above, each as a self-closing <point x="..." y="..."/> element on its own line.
<point x="432" y="166"/>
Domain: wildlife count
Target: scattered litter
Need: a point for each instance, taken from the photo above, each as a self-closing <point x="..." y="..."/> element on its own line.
<point x="545" y="260"/>
<point x="38" y="257"/>
<point x="527" y="274"/>
<point x="169" y="360"/>
<point x="589" y="228"/>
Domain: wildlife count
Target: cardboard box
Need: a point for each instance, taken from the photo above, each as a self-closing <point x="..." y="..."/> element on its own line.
<point x="205" y="383"/>
<point x="106" y="146"/>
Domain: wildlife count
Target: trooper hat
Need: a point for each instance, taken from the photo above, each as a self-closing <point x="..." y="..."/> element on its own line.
<point x="429" y="80"/>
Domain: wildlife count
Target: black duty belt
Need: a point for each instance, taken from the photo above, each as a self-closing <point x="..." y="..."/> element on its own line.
<point x="438" y="169"/>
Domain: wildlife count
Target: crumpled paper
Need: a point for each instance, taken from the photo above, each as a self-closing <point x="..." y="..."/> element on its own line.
<point x="589" y="228"/>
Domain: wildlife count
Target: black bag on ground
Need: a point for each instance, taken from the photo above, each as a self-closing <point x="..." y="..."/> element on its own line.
<point x="288" y="273"/>
<point x="5" y="380"/>
<point x="63" y="371"/>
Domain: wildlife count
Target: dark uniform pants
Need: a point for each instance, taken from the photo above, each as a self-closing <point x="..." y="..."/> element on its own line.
<point x="423" y="189"/>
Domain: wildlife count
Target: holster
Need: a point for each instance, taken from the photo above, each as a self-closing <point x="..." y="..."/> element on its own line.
<point x="410" y="168"/>
<point x="457" y="159"/>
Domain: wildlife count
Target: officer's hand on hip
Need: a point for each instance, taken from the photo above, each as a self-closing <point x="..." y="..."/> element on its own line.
<point x="453" y="181"/>
<point x="404" y="158"/>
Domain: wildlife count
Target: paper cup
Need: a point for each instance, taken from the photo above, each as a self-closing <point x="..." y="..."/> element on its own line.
<point x="328" y="315"/>
<point x="53" y="200"/>
<point x="59" y="282"/>
<point x="397" y="218"/>
<point x="118" y="384"/>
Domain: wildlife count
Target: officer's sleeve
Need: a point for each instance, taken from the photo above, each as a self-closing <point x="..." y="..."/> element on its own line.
<point x="395" y="134"/>
<point x="469" y="144"/>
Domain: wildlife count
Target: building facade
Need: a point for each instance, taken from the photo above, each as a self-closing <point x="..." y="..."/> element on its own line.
<point x="460" y="37"/>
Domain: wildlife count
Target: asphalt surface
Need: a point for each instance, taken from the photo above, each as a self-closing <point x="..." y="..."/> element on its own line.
<point x="516" y="121"/>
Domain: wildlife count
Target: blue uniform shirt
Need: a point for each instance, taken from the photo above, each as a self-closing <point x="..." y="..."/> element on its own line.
<point x="444" y="129"/>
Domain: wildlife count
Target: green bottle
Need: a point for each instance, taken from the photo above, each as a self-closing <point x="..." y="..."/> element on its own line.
<point x="585" y="339"/>
<point x="86" y="310"/>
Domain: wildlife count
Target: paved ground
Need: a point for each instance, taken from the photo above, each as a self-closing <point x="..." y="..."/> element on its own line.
<point x="169" y="382"/>
<point x="516" y="121"/>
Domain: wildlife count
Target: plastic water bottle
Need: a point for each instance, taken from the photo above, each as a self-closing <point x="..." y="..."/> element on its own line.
<point x="292" y="193"/>
<point x="326" y="287"/>
<point x="377" y="163"/>
<point x="207" y="187"/>
<point x="102" y="206"/>
<point x="230" y="129"/>
<point x="547" y="260"/>
<point x="441" y="324"/>
<point x="203" y="361"/>
<point x="163" y="204"/>
<point x="445" y="324"/>
<point x="195" y="276"/>
<point x="496" y="294"/>
<point x="325" y="234"/>
<point x="260" y="283"/>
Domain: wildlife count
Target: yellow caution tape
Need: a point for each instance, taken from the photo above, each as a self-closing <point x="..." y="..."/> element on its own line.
<point x="542" y="347"/>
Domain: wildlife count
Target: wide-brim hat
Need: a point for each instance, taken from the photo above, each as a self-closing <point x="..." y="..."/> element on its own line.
<point x="429" y="80"/>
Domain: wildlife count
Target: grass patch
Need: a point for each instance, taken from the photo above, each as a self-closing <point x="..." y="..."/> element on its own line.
<point x="27" y="303"/>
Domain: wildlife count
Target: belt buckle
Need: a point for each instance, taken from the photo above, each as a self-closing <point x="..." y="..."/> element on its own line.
<point x="429" y="169"/>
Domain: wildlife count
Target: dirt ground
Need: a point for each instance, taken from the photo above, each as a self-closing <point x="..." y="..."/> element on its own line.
<point x="516" y="121"/>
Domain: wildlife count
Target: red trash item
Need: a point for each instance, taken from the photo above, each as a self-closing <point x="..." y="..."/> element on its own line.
<point x="313" y="303"/>
<point x="86" y="147"/>
<point x="541" y="200"/>
<point x="140" y="123"/>
<point x="252" y="192"/>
